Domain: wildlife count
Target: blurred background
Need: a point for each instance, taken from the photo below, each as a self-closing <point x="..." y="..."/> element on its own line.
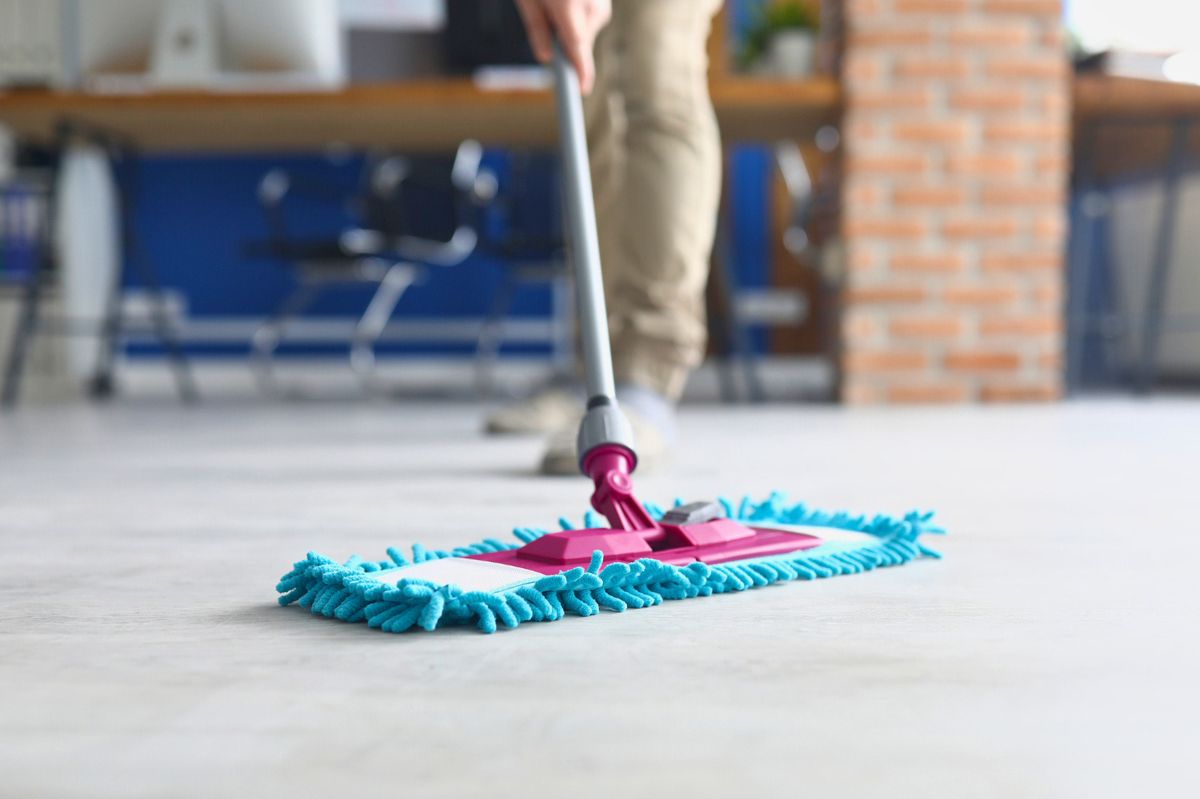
<point x="924" y="201"/>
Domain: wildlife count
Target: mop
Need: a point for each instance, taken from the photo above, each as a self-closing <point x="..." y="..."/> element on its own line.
<point x="646" y="555"/>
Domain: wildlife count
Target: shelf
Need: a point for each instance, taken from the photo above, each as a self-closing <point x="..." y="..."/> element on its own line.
<point x="421" y="114"/>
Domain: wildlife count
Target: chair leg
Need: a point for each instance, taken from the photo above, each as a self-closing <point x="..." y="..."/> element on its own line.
<point x="721" y="337"/>
<point x="185" y="383"/>
<point x="736" y="334"/>
<point x="22" y="340"/>
<point x="1079" y="266"/>
<point x="1156" y="295"/>
<point x="725" y="324"/>
<point x="267" y="337"/>
<point x="717" y="300"/>
<point x="374" y="320"/>
<point x="1113" y="341"/>
<point x="102" y="384"/>
<point x="487" y="345"/>
<point x="1085" y="212"/>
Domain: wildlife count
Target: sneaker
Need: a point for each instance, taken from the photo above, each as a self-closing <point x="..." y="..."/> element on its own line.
<point x="547" y="411"/>
<point x="560" y="457"/>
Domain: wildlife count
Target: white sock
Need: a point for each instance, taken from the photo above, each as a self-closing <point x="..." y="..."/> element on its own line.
<point x="650" y="406"/>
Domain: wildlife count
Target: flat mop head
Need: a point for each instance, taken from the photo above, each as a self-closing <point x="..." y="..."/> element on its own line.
<point x="496" y="583"/>
<point x="645" y="555"/>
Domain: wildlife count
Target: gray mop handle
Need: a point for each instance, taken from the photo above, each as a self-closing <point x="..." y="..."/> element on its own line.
<point x="584" y="243"/>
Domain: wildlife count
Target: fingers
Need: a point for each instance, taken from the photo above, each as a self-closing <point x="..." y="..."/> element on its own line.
<point x="573" y="26"/>
<point x="595" y="14"/>
<point x="537" y="26"/>
<point x="575" y="23"/>
<point x="599" y="13"/>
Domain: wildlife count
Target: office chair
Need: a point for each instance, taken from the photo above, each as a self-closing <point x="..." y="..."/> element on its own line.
<point x="390" y="246"/>
<point x="526" y="239"/>
<point x="42" y="273"/>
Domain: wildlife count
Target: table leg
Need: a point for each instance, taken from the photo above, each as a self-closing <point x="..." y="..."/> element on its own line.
<point x="1156" y="294"/>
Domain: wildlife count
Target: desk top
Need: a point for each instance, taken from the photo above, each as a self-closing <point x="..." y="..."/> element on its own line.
<point x="1110" y="97"/>
<point x="438" y="113"/>
<point x="1123" y="125"/>
<point x="419" y="114"/>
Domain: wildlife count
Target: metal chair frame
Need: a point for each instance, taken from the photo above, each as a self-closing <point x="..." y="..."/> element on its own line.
<point x="392" y="263"/>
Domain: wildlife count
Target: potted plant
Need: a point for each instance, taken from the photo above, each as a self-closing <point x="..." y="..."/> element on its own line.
<point x="782" y="41"/>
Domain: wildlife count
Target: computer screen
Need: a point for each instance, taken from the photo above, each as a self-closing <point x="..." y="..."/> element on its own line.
<point x="483" y="33"/>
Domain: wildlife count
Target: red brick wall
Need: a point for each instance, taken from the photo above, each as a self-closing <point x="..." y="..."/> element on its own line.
<point x="956" y="133"/>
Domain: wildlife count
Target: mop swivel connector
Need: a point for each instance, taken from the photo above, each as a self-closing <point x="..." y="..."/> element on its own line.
<point x="609" y="466"/>
<point x="604" y="424"/>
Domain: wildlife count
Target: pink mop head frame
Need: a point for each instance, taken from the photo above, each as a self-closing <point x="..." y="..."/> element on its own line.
<point x="634" y="534"/>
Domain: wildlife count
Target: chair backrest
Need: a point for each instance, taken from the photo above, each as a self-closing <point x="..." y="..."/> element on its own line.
<point x="423" y="208"/>
<point x="411" y="197"/>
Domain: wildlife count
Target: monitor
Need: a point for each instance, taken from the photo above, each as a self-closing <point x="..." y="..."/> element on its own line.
<point x="485" y="33"/>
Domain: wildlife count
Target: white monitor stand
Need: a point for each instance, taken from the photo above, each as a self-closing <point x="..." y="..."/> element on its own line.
<point x="215" y="45"/>
<point x="186" y="52"/>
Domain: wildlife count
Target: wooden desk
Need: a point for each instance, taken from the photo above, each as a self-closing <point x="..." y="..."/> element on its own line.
<point x="426" y="114"/>
<point x="1123" y="126"/>
<point x="1109" y="97"/>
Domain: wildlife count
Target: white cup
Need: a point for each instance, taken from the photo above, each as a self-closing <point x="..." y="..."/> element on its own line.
<point x="792" y="52"/>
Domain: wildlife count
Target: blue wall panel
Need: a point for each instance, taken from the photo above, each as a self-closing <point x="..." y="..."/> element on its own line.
<point x="196" y="215"/>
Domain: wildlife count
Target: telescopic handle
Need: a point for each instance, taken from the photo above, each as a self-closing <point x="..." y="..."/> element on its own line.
<point x="605" y="442"/>
<point x="581" y="230"/>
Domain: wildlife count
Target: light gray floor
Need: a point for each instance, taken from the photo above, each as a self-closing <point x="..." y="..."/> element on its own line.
<point x="1051" y="654"/>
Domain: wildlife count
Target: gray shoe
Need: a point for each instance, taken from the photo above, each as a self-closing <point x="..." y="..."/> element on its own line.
<point x="547" y="411"/>
<point x="560" y="457"/>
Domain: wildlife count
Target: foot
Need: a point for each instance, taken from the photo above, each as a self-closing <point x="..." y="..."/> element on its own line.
<point x="652" y="417"/>
<point x="547" y="411"/>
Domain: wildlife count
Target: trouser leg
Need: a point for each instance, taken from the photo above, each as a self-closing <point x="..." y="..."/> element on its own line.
<point x="604" y="115"/>
<point x="659" y="226"/>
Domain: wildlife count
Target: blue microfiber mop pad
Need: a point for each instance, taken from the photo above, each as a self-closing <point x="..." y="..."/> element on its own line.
<point x="352" y="591"/>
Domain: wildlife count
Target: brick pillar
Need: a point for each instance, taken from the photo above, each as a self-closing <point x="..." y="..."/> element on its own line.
<point x="956" y="133"/>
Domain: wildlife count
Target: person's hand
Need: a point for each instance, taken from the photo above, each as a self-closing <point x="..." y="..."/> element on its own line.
<point x="576" y="24"/>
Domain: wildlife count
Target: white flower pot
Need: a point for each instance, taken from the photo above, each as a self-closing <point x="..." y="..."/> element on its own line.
<point x="791" y="53"/>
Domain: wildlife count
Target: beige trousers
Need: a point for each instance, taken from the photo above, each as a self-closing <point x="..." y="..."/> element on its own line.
<point x="656" y="173"/>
